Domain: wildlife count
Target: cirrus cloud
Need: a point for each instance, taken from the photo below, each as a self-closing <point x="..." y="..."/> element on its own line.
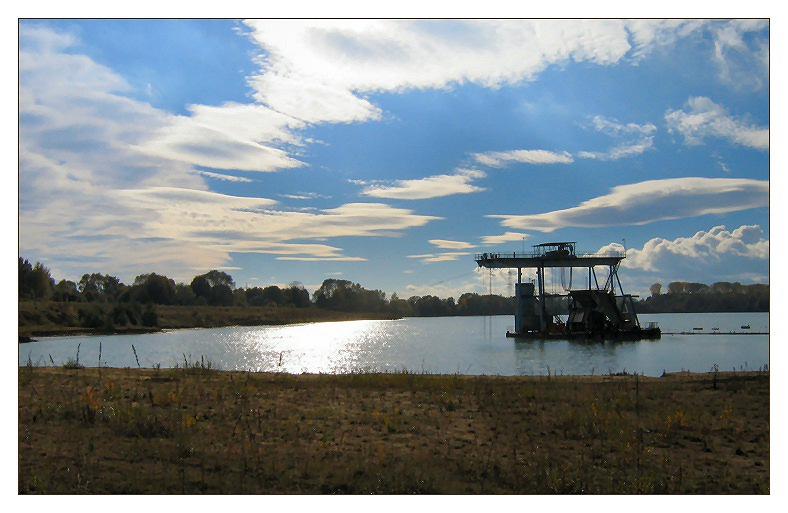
<point x="450" y="244"/>
<point x="232" y="136"/>
<point x="650" y="201"/>
<point x="428" y="187"/>
<point x="505" y="237"/>
<point x="440" y="257"/>
<point x="500" y="159"/>
<point x="242" y="224"/>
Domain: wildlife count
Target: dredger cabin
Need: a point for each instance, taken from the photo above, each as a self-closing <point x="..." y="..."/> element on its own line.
<point x="593" y="309"/>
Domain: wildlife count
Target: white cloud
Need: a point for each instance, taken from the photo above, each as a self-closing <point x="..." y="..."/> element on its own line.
<point x="440" y="257"/>
<point x="707" y="257"/>
<point x="450" y="244"/>
<point x="323" y="259"/>
<point x="743" y="60"/>
<point x="646" y="34"/>
<point x="506" y="237"/>
<point x="500" y="159"/>
<point x="305" y="196"/>
<point x="70" y="103"/>
<point x="240" y="224"/>
<point x="311" y="101"/>
<point x="705" y="248"/>
<point x="614" y="128"/>
<point x="703" y="118"/>
<point x="319" y="70"/>
<point x="424" y="53"/>
<point x="425" y="188"/>
<point x="621" y="151"/>
<point x="233" y="136"/>
<point x="654" y="200"/>
<point x="636" y="139"/>
<point x="225" y="178"/>
<point x="77" y="134"/>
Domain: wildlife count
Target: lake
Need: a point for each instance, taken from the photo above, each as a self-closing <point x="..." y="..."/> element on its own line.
<point x="443" y="345"/>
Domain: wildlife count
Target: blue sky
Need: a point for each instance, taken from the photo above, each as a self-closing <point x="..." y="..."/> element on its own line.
<point x="388" y="153"/>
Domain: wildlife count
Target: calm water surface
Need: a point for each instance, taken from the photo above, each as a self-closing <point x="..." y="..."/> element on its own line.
<point x="466" y="345"/>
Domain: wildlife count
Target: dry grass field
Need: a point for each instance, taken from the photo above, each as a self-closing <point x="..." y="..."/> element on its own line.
<point x="195" y="430"/>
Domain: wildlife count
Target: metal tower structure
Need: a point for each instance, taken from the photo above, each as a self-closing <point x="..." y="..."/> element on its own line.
<point x="592" y="311"/>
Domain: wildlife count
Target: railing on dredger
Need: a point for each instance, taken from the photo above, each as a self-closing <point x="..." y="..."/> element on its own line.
<point x="489" y="256"/>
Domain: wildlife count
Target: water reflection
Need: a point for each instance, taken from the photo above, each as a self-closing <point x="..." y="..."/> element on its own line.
<point x="324" y="347"/>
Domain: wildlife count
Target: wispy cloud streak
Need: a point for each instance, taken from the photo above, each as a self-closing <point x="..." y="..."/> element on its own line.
<point x="650" y="201"/>
<point x="703" y="118"/>
<point x="428" y="187"/>
<point x="501" y="159"/>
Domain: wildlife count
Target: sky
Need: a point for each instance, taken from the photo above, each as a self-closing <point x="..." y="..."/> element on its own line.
<point x="390" y="152"/>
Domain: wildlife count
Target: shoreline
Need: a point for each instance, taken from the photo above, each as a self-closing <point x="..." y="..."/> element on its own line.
<point x="206" y="367"/>
<point x="39" y="319"/>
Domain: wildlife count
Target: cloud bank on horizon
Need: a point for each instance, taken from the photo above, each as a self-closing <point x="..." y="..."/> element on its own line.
<point x="387" y="151"/>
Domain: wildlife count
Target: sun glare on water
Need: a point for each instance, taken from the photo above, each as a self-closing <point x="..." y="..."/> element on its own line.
<point x="332" y="347"/>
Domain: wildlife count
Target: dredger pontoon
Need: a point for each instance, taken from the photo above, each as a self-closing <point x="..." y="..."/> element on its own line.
<point x="593" y="311"/>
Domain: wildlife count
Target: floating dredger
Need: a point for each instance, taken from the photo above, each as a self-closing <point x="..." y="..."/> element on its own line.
<point x="591" y="311"/>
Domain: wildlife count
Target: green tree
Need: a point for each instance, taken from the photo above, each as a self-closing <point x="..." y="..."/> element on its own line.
<point x="239" y="297"/>
<point x="215" y="278"/>
<point x="154" y="288"/>
<point x="255" y="296"/>
<point x="221" y="295"/>
<point x="66" y="291"/>
<point x="272" y="295"/>
<point x="722" y="287"/>
<point x="92" y="316"/>
<point x="697" y="288"/>
<point x="35" y="281"/>
<point x="184" y="295"/>
<point x="99" y="287"/>
<point x="677" y="287"/>
<point x="216" y="287"/>
<point x="201" y="287"/>
<point x="346" y="296"/>
<point x="332" y="294"/>
<point x="149" y="316"/>
<point x="296" y="295"/>
<point x="400" y="307"/>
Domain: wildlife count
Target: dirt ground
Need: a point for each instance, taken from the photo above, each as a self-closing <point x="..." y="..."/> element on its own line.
<point x="202" y="431"/>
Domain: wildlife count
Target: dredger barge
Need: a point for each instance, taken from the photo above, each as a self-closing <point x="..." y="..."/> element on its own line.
<point x="591" y="311"/>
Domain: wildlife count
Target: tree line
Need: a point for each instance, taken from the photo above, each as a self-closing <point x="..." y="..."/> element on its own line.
<point x="217" y="288"/>
<point x="134" y="303"/>
<point x="214" y="288"/>
<point x="689" y="297"/>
